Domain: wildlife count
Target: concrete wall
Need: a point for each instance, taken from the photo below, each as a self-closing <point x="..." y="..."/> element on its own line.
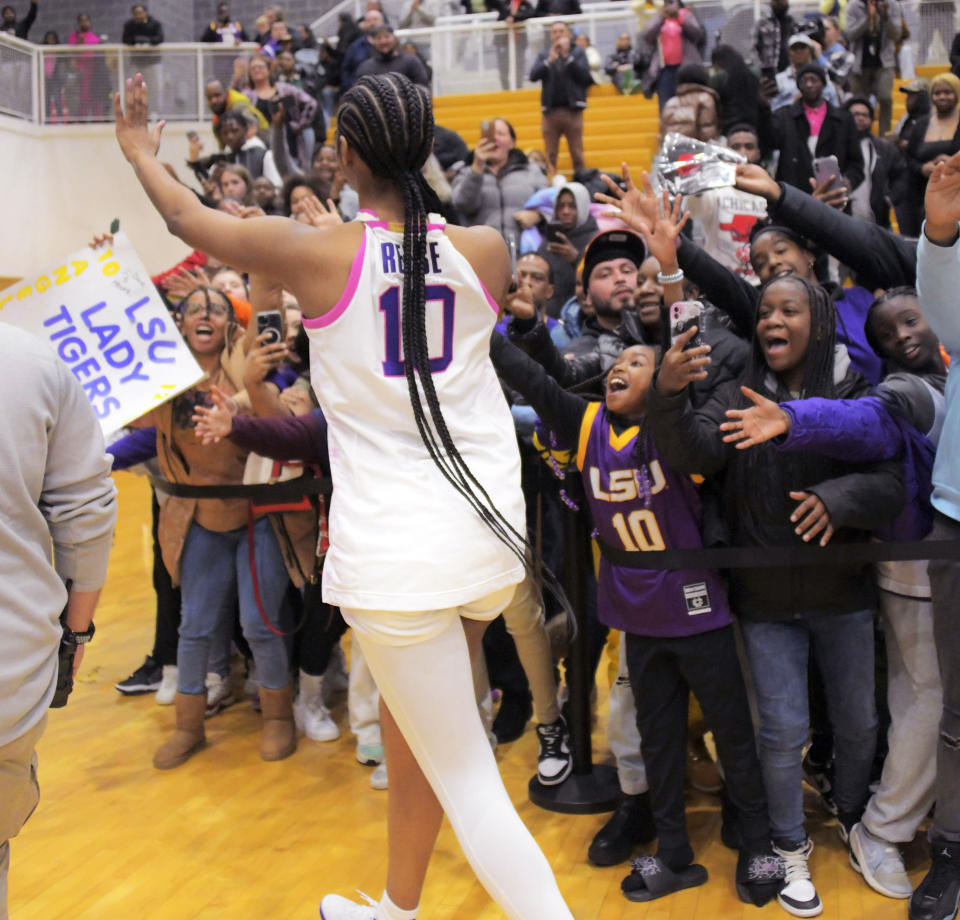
<point x="183" y="20"/>
<point x="66" y="184"/>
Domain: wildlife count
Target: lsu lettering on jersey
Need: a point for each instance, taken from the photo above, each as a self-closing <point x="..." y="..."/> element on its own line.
<point x="645" y="602"/>
<point x="401" y="537"/>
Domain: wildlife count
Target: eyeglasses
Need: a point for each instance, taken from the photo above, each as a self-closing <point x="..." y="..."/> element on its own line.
<point x="214" y="309"/>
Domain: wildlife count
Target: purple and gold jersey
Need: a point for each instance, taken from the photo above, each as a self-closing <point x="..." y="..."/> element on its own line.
<point x="644" y="601"/>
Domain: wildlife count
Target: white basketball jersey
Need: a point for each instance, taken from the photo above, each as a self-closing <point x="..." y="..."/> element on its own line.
<point x="401" y="537"/>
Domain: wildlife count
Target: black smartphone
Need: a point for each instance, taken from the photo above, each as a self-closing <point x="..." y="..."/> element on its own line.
<point x="271" y="322"/>
<point x="554" y="229"/>
<point x="289" y="103"/>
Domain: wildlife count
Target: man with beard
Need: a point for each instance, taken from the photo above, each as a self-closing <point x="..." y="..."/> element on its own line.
<point x="882" y="167"/>
<point x="388" y="58"/>
<point x="611" y="264"/>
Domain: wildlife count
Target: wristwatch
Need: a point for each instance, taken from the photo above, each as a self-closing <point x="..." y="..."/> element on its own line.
<point x="78" y="638"/>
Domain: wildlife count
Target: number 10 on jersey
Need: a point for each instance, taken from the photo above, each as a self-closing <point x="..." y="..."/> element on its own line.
<point x="394" y="365"/>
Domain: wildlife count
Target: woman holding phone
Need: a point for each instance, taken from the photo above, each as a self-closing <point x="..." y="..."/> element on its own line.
<point x="268" y="95"/>
<point x="497" y="182"/>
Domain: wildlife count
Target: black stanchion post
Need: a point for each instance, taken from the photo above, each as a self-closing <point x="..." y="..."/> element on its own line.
<point x="590" y="789"/>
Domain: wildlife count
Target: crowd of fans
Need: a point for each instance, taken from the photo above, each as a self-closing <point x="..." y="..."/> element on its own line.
<point x="808" y="300"/>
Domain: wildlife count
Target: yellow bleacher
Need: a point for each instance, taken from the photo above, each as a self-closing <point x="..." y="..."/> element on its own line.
<point x="616" y="128"/>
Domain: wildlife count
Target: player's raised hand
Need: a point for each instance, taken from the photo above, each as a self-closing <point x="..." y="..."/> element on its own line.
<point x="133" y="132"/>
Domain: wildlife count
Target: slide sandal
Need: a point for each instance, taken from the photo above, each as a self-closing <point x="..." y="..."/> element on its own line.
<point x="651" y="879"/>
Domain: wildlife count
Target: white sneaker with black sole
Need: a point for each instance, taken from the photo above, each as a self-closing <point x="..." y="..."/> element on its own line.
<point x="798" y="896"/>
<point x="555" y="761"/>
<point x="335" y="907"/>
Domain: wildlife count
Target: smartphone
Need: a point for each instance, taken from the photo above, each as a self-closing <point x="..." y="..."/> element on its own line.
<point x="683" y="315"/>
<point x="554" y="229"/>
<point x="487" y="131"/>
<point x="289" y="103"/>
<point x="825" y="168"/>
<point x="271" y="322"/>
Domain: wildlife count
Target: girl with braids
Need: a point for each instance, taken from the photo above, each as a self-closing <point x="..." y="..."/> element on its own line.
<point x="774" y="500"/>
<point x="428" y="509"/>
<point x="901" y="419"/>
<point x="678" y="627"/>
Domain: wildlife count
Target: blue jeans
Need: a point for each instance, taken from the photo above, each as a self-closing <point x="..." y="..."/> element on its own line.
<point x="843" y="645"/>
<point x="214" y="574"/>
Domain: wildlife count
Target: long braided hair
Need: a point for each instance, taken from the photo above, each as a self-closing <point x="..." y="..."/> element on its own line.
<point x="388" y="121"/>
<point x="759" y="479"/>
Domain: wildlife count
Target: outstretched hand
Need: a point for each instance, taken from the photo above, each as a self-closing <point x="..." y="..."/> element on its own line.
<point x="657" y="219"/>
<point x="756" y="180"/>
<point x="942" y="201"/>
<point x="760" y="422"/>
<point x="182" y="282"/>
<point x="214" y="422"/>
<point x="633" y="206"/>
<point x="133" y="132"/>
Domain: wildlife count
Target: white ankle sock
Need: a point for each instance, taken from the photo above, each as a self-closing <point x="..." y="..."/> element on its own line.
<point x="387" y="910"/>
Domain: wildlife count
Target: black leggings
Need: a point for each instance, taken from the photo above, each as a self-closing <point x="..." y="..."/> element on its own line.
<point x="322" y="628"/>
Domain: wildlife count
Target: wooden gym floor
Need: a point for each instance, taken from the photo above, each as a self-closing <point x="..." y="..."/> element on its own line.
<point x="228" y="837"/>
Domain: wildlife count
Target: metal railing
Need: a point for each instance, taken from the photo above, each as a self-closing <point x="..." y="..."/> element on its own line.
<point x="67" y="84"/>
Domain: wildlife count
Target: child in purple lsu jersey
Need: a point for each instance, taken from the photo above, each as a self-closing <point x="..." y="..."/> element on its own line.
<point x="677" y="623"/>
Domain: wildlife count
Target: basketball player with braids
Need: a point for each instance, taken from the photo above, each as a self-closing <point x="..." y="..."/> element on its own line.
<point x="425" y="526"/>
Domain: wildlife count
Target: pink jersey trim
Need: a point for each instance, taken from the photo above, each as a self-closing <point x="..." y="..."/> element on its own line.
<point x="493" y="304"/>
<point x="318" y="322"/>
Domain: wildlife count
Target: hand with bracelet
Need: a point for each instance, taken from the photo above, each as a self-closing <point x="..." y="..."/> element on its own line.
<point x="657" y="219"/>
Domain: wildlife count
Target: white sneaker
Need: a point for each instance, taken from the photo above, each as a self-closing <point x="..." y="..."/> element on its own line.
<point x="798" y="896"/>
<point x="880" y="863"/>
<point x="335" y="678"/>
<point x="219" y="693"/>
<point x="168" y="685"/>
<point x="378" y="779"/>
<point x="334" y="907"/>
<point x="311" y="716"/>
<point x="369" y="754"/>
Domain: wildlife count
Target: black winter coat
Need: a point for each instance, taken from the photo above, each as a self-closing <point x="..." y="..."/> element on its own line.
<point x="572" y="74"/>
<point x="879" y="258"/>
<point x="859" y="497"/>
<point x="790" y="132"/>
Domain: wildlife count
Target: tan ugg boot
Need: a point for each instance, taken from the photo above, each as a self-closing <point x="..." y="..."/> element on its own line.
<point x="189" y="736"/>
<point x="279" y="738"/>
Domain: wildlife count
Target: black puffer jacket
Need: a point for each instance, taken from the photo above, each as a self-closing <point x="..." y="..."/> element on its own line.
<point x="859" y="497"/>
